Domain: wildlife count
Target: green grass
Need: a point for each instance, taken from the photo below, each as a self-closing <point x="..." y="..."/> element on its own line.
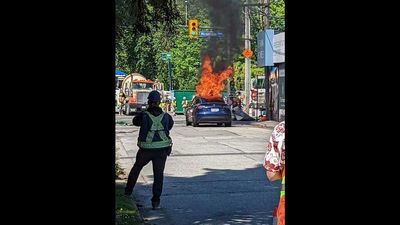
<point x="118" y="170"/>
<point x="126" y="212"/>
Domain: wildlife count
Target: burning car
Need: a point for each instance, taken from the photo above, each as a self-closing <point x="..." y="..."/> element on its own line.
<point x="208" y="105"/>
<point x="202" y="110"/>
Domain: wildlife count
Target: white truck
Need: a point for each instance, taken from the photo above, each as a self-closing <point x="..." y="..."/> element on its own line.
<point x="258" y="92"/>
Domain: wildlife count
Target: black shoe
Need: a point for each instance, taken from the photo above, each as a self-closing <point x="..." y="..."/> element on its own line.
<point x="155" y="205"/>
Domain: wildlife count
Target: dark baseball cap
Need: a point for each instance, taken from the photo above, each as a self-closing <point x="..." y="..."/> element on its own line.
<point x="154" y="96"/>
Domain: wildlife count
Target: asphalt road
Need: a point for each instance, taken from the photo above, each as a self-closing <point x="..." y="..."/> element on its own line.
<point x="214" y="175"/>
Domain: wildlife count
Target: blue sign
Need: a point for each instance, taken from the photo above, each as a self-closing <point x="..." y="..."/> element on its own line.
<point x="265" y="41"/>
<point x="210" y="34"/>
<point x="119" y="73"/>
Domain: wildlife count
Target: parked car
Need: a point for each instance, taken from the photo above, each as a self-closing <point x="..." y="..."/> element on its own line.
<point x="202" y="111"/>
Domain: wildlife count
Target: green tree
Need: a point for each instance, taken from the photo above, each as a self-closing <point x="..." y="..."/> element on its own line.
<point x="144" y="30"/>
<point x="123" y="53"/>
<point x="277" y="15"/>
<point x="186" y="58"/>
<point x="277" y="23"/>
<point x="238" y="78"/>
<point x="141" y="16"/>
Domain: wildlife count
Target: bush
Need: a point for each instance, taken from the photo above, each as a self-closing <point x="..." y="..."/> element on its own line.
<point x="126" y="213"/>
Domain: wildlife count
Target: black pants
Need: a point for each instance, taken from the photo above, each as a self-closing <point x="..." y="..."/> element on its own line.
<point x="143" y="157"/>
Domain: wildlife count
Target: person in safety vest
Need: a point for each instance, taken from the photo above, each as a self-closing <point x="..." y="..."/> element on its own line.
<point x="162" y="105"/>
<point x="185" y="104"/>
<point x="121" y="102"/>
<point x="274" y="163"/>
<point x="154" y="144"/>
<point x="173" y="106"/>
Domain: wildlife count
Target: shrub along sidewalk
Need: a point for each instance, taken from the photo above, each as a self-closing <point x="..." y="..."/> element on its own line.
<point x="126" y="212"/>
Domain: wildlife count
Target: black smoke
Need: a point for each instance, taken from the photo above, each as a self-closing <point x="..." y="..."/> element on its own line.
<point x="226" y="17"/>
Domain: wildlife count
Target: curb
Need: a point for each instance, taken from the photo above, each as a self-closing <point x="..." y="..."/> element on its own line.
<point x="268" y="125"/>
<point x="142" y="220"/>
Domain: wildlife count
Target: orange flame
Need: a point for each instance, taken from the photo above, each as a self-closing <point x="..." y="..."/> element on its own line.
<point x="211" y="84"/>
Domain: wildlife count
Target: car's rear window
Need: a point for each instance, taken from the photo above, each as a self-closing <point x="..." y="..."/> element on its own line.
<point x="212" y="100"/>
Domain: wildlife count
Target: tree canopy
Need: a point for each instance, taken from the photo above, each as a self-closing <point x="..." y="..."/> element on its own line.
<point x="146" y="28"/>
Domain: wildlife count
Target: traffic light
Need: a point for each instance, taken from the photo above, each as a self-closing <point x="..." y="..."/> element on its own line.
<point x="193" y="29"/>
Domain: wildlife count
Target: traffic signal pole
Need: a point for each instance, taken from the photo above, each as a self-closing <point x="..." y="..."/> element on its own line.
<point x="167" y="56"/>
<point x="169" y="74"/>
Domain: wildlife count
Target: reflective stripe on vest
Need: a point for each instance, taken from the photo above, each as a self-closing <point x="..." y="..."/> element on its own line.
<point x="283" y="184"/>
<point x="155" y="127"/>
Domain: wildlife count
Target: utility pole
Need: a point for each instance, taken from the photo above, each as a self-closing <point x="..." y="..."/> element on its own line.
<point x="267" y="69"/>
<point x="228" y="81"/>
<point x="266" y="20"/>
<point x="186" y="7"/>
<point x="247" y="70"/>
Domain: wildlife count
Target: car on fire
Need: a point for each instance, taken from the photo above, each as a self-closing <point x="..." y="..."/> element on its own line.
<point x="201" y="110"/>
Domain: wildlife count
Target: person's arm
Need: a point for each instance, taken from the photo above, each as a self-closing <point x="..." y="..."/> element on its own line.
<point x="171" y="122"/>
<point x="271" y="161"/>
<point x="273" y="176"/>
<point x="275" y="156"/>
<point x="138" y="119"/>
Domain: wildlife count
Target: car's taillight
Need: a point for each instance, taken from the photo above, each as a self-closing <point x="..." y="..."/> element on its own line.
<point x="200" y="107"/>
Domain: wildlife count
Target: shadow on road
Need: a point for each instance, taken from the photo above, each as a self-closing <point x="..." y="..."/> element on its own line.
<point x="220" y="196"/>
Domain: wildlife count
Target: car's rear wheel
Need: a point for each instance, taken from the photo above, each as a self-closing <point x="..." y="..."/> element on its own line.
<point x="228" y="124"/>
<point x="219" y="124"/>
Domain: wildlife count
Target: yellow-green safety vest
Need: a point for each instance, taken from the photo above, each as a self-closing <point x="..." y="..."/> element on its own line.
<point x="155" y="127"/>
<point x="283" y="187"/>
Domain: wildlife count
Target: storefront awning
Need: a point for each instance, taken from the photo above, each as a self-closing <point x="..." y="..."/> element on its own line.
<point x="119" y="73"/>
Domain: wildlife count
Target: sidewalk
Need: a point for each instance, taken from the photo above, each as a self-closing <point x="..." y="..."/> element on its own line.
<point x="264" y="124"/>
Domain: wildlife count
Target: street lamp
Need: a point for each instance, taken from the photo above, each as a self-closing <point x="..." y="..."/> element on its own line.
<point x="167" y="56"/>
<point x="186" y="7"/>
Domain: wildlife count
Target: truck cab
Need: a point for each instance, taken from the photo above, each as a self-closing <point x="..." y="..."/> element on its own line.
<point x="137" y="88"/>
